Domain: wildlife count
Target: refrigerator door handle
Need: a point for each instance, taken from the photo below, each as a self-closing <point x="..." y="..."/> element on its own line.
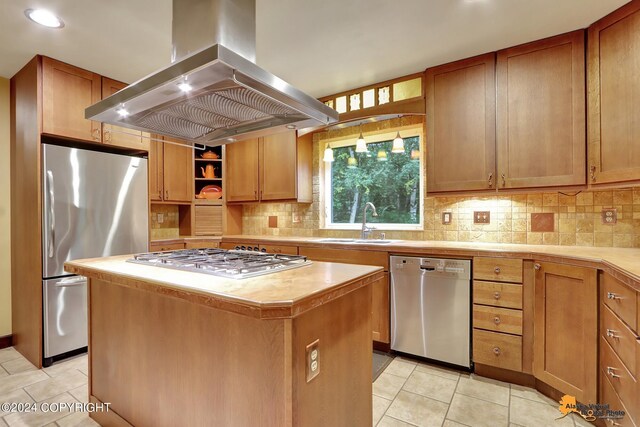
<point x="52" y="215"/>
<point x="74" y="281"/>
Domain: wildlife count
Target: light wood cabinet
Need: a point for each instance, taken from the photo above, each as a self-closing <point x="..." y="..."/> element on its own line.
<point x="380" y="309"/>
<point x="170" y="171"/>
<point x="541" y="113"/>
<point x="66" y="92"/>
<point x="566" y="329"/>
<point x="461" y="125"/>
<point x="275" y="167"/>
<point x="614" y="96"/>
<point x="116" y="135"/>
<point x="208" y="220"/>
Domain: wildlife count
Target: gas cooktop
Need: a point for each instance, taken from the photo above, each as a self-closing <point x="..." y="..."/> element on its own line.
<point x="234" y="264"/>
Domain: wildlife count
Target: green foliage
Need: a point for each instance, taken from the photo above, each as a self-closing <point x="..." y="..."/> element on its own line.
<point x="392" y="186"/>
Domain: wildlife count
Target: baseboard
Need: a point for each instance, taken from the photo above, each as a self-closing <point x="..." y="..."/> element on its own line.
<point x="514" y="377"/>
<point x="6" y="341"/>
<point x="381" y="346"/>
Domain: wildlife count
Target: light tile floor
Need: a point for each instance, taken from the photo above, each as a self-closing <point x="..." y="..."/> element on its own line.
<point x="410" y="393"/>
<point x="407" y="394"/>
<point x="21" y="382"/>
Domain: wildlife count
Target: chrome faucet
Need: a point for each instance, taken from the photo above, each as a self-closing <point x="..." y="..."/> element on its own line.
<point x="366" y="229"/>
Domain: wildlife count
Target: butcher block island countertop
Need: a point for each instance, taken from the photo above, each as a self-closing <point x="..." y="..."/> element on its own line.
<point x="169" y="347"/>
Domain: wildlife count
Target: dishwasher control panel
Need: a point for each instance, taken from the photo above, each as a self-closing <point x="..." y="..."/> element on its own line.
<point x="433" y="265"/>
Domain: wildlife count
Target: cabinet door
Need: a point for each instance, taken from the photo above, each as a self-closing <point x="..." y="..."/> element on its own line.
<point x="614" y="96"/>
<point x="278" y="166"/>
<point x="541" y="113"/>
<point x="380" y="309"/>
<point x="178" y="167"/>
<point x="116" y="135"/>
<point x="156" y="170"/>
<point x="241" y="182"/>
<point x="566" y="329"/>
<point x="66" y="92"/>
<point x="461" y="126"/>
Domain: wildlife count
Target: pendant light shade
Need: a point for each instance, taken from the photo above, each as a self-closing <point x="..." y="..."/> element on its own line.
<point x="398" y="144"/>
<point x="382" y="156"/>
<point x="361" y="144"/>
<point x="415" y="154"/>
<point x="328" y="154"/>
<point x="352" y="163"/>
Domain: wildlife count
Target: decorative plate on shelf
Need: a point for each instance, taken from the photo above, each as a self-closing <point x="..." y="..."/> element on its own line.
<point x="210" y="192"/>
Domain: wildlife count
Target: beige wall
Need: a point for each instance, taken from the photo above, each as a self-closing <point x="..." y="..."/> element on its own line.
<point x="5" y="198"/>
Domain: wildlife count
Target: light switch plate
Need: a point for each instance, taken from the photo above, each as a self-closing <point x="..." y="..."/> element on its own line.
<point x="481" y="217"/>
<point x="160" y="218"/>
<point x="313" y="360"/>
<point x="295" y="218"/>
<point x="609" y="216"/>
<point x="446" y="218"/>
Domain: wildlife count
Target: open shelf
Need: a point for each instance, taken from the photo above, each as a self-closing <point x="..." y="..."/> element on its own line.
<point x="208" y="179"/>
<point x="208" y="160"/>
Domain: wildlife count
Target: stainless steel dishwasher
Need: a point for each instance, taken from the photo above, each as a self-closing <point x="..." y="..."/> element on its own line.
<point x="430" y="308"/>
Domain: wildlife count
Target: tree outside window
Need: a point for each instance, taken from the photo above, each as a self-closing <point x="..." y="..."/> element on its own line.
<point x="393" y="186"/>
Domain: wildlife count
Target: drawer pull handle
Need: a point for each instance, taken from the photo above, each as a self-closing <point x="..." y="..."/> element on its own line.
<point x="537" y="266"/>
<point x="611" y="333"/>
<point x="496" y="295"/>
<point x="611" y="372"/>
<point x="496" y="320"/>
<point x="496" y="351"/>
<point x="612" y="422"/>
<point x="496" y="270"/>
<point x="611" y="295"/>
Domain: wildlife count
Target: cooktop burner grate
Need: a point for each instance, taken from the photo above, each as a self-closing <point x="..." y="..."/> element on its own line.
<point x="235" y="264"/>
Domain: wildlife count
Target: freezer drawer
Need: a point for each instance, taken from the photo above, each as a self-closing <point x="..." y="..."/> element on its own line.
<point x="65" y="315"/>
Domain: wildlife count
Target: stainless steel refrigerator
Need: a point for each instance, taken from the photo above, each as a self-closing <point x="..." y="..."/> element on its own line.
<point x="94" y="205"/>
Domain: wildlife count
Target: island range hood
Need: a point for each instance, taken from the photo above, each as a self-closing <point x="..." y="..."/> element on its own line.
<point x="213" y="93"/>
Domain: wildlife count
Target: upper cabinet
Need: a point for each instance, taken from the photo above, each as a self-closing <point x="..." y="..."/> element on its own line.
<point x="614" y="96"/>
<point x="66" y="92"/>
<point x="461" y="125"/>
<point x="541" y="113"/>
<point x="119" y="136"/>
<point x="275" y="167"/>
<point x="170" y="170"/>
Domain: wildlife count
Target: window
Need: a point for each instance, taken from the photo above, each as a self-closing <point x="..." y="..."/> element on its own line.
<point x="391" y="181"/>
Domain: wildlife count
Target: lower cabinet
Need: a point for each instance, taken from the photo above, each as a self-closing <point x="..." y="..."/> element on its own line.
<point x="566" y="329"/>
<point x="159" y="246"/>
<point x="380" y="309"/>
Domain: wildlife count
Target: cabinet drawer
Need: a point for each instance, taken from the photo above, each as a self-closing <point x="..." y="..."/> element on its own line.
<point x="496" y="349"/>
<point x="619" y="377"/>
<point x="280" y="249"/>
<point x="155" y="247"/>
<point x="497" y="319"/>
<point x="497" y="294"/>
<point x="346" y="256"/>
<point x="620" y="298"/>
<point x="608" y="396"/>
<point x="619" y="337"/>
<point x="497" y="269"/>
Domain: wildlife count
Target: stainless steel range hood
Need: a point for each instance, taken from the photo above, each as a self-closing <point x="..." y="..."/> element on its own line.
<point x="217" y="94"/>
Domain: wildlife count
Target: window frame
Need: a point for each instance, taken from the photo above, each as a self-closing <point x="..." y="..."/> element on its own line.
<point x="372" y="137"/>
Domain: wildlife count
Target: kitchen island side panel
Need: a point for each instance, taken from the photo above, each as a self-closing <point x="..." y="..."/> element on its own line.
<point x="163" y="361"/>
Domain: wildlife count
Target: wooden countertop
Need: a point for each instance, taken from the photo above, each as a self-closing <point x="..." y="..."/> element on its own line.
<point x="622" y="263"/>
<point x="279" y="295"/>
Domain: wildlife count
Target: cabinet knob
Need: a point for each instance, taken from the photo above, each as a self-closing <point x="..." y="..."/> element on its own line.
<point x="537" y="266"/>
<point x="612" y="422"/>
<point x="496" y="295"/>
<point x="255" y="194"/>
<point x="496" y="270"/>
<point x="504" y="181"/>
<point x="496" y="320"/>
<point x="612" y="372"/>
<point x="496" y="351"/>
<point x="490" y="180"/>
<point x="96" y="134"/>
<point x="592" y="171"/>
<point x="107" y="136"/>
<point x="611" y="333"/>
<point x="614" y="296"/>
<point x="166" y="194"/>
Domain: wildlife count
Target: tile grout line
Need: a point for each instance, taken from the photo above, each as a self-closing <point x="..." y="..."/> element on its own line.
<point x="449" y="407"/>
<point x="396" y="395"/>
<point x="509" y="408"/>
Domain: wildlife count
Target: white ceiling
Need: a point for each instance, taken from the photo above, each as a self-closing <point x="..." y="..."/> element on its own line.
<point x="320" y="46"/>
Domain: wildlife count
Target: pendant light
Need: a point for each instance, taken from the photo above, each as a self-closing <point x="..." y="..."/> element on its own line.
<point x="398" y="144"/>
<point x="361" y="144"/>
<point x="382" y="156"/>
<point x="352" y="163"/>
<point x="328" y="154"/>
<point x="415" y="154"/>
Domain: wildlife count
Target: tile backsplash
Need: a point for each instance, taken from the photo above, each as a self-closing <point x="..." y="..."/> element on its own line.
<point x="169" y="227"/>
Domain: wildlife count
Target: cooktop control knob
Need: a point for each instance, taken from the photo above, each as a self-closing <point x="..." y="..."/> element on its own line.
<point x="263" y="250"/>
<point x="237" y="248"/>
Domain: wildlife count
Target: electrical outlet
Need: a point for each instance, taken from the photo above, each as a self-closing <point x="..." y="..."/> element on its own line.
<point x="446" y="218"/>
<point x="160" y="218"/>
<point x="313" y="360"/>
<point x="295" y="218"/>
<point x="609" y="216"/>
<point x="481" y="217"/>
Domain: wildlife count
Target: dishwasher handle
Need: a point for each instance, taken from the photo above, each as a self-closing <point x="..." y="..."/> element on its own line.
<point x="427" y="268"/>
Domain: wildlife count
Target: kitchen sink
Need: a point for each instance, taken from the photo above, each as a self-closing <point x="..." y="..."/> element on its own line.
<point x="372" y="241"/>
<point x="337" y="240"/>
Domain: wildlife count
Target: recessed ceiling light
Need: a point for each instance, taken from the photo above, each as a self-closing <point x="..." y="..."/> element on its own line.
<point x="185" y="87"/>
<point x="44" y="17"/>
<point x="122" y="112"/>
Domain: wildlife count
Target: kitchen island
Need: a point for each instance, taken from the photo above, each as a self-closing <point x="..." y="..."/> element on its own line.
<point x="170" y="348"/>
